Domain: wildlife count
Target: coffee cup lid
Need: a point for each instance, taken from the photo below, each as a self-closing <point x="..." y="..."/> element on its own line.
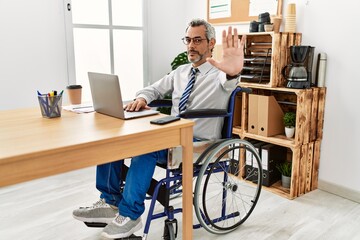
<point x="74" y="87"/>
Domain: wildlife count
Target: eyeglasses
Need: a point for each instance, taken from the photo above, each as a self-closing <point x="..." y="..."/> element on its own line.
<point x="196" y="40"/>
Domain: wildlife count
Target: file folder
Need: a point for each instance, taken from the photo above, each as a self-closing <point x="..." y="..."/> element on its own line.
<point x="271" y="156"/>
<point x="253" y="114"/>
<point x="234" y="162"/>
<point x="251" y="166"/>
<point x="270" y="116"/>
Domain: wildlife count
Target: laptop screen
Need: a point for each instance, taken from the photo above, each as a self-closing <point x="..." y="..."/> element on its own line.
<point x="106" y="96"/>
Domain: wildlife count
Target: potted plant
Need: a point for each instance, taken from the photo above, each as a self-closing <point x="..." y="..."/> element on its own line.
<point x="289" y="123"/>
<point x="285" y="170"/>
<point x="179" y="60"/>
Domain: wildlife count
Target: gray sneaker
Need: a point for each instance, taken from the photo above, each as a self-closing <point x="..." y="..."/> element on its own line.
<point x="99" y="212"/>
<point x="122" y="227"/>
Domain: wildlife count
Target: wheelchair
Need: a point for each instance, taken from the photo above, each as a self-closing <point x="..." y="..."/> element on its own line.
<point x="226" y="191"/>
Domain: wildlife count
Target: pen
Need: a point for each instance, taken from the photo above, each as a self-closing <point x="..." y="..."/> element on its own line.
<point x="47" y="106"/>
<point x="43" y="103"/>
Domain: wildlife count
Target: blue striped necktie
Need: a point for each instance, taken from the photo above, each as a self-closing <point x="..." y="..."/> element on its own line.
<point x="185" y="96"/>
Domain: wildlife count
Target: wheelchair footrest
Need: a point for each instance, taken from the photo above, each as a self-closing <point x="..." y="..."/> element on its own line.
<point x="132" y="237"/>
<point x="95" y="225"/>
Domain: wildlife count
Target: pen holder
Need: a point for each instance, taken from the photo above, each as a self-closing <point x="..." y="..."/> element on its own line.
<point x="50" y="106"/>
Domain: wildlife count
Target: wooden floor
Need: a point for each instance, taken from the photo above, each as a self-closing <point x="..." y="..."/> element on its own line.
<point x="42" y="210"/>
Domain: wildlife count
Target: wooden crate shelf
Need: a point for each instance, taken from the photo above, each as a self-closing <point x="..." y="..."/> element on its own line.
<point x="305" y="166"/>
<point x="307" y="103"/>
<point x="266" y="54"/>
<point x="304" y="147"/>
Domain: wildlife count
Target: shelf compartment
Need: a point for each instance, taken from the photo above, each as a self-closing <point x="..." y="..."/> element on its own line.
<point x="238" y="114"/>
<point x="274" y="46"/>
<point x="308" y="105"/>
<point x="304" y="179"/>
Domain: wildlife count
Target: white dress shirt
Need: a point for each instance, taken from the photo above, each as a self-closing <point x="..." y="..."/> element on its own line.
<point x="211" y="90"/>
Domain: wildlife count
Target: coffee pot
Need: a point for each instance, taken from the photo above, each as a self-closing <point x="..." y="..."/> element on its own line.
<point x="298" y="73"/>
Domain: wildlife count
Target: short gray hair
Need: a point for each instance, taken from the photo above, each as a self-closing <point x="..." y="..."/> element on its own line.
<point x="210" y="30"/>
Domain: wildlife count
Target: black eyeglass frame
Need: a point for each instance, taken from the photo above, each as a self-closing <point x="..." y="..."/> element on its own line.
<point x="195" y="40"/>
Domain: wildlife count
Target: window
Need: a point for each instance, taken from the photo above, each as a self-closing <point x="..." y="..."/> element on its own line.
<point x="108" y="37"/>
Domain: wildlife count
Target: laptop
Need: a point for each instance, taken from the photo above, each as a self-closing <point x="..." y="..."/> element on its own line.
<point x="106" y="96"/>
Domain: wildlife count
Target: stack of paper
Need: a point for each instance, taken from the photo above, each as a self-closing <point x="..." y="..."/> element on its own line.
<point x="81" y="108"/>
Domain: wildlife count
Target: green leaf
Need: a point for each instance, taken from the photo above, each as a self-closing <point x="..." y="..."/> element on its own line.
<point x="179" y="60"/>
<point x="285" y="168"/>
<point x="289" y="119"/>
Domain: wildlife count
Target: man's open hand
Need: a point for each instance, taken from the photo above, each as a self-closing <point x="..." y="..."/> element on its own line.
<point x="232" y="61"/>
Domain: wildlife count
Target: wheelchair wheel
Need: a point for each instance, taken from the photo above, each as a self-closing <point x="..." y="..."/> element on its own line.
<point x="225" y="194"/>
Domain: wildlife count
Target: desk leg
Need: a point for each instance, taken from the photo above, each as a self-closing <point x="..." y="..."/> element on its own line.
<point x="187" y="144"/>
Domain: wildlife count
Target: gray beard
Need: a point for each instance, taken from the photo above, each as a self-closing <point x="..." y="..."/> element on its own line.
<point x="197" y="59"/>
<point x="201" y="56"/>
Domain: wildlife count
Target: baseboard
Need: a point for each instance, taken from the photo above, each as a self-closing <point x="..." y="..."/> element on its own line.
<point x="344" y="192"/>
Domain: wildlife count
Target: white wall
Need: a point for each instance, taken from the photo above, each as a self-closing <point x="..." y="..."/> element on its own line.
<point x="33" y="57"/>
<point x="32" y="50"/>
<point x="166" y="28"/>
<point x="329" y="26"/>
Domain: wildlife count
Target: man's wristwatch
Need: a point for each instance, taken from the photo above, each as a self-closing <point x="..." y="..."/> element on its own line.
<point x="228" y="77"/>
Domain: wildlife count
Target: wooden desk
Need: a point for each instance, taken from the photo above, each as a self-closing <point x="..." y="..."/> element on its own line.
<point x="32" y="146"/>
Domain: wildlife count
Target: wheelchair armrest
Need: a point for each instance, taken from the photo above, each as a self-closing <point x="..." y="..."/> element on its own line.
<point x="168" y="102"/>
<point x="204" y="113"/>
<point x="161" y="103"/>
<point x="246" y="90"/>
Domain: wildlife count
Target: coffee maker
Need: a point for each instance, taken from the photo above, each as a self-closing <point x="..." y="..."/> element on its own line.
<point x="299" y="72"/>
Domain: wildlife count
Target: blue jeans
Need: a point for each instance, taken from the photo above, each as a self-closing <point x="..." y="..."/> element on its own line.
<point x="131" y="201"/>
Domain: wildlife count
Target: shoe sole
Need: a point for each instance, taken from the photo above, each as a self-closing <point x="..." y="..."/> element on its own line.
<point x="123" y="235"/>
<point x="94" y="220"/>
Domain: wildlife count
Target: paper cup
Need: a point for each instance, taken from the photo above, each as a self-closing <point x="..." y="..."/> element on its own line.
<point x="74" y="92"/>
<point x="276" y="21"/>
<point x="291" y="8"/>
